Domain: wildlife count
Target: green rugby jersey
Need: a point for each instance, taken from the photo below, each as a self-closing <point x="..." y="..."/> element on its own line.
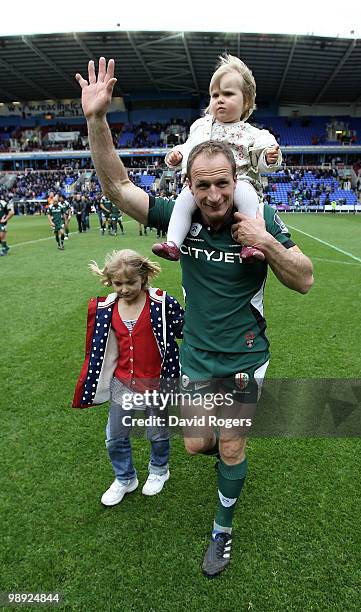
<point x="57" y="215"/>
<point x="4" y="209"/>
<point x="115" y="212"/>
<point x="66" y="207"/>
<point x="107" y="206"/>
<point x="224" y="297"/>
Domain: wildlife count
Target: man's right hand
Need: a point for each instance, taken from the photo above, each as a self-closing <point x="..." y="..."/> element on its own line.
<point x="97" y="93"/>
<point x="174" y="158"/>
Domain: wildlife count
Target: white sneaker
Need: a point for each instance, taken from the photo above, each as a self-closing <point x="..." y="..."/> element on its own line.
<point x="117" y="490"/>
<point x="155" y="483"/>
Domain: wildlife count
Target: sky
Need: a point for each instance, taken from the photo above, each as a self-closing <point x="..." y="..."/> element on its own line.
<point x="317" y="17"/>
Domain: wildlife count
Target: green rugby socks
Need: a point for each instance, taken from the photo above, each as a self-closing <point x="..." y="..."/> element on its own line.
<point x="230" y="483"/>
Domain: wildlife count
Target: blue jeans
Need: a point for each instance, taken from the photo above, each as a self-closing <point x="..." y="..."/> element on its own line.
<point x="119" y="447"/>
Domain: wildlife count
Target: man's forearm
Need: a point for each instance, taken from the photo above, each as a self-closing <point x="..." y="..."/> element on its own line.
<point x="291" y="266"/>
<point x="110" y="169"/>
<point x="112" y="174"/>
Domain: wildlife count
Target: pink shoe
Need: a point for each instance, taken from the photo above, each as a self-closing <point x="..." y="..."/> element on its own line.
<point x="250" y="253"/>
<point x="167" y="250"/>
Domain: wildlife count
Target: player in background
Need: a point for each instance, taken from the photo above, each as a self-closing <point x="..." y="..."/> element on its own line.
<point x="56" y="218"/>
<point x="106" y="207"/>
<point x="67" y="215"/>
<point x="100" y="215"/>
<point x="116" y="219"/>
<point x="6" y="212"/>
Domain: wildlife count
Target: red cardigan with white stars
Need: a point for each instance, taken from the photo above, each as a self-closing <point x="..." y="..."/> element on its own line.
<point x="101" y="353"/>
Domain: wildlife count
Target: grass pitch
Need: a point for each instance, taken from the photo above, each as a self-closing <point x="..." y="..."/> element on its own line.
<point x="297" y="528"/>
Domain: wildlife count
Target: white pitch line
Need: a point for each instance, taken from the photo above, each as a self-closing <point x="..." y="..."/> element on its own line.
<point x="336" y="261"/>
<point x="332" y="246"/>
<point x="18" y="244"/>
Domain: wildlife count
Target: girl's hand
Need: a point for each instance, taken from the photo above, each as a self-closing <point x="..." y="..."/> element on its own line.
<point x="174" y="158"/>
<point x="272" y="155"/>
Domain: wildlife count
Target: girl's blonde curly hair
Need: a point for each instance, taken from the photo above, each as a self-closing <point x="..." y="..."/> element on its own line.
<point x="127" y="261"/>
<point x="228" y="64"/>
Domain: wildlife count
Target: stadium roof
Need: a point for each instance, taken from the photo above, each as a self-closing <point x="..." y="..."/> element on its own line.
<point x="289" y="69"/>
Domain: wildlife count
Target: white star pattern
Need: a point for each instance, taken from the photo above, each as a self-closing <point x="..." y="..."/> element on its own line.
<point x="168" y="350"/>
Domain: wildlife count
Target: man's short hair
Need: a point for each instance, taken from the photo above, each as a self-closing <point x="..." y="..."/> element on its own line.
<point x="211" y="148"/>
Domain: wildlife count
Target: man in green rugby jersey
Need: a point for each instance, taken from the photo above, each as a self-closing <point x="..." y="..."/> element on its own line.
<point x="6" y="212"/>
<point x="106" y="208"/>
<point x="56" y="218"/>
<point x="224" y="329"/>
<point x="67" y="215"/>
<point x="116" y="216"/>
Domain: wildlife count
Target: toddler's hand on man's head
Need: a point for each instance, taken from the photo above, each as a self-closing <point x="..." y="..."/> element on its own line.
<point x="175" y="158"/>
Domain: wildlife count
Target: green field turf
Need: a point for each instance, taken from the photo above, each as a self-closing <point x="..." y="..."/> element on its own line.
<point x="297" y="527"/>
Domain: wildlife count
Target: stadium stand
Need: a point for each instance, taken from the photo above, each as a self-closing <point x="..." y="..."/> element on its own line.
<point x="288" y="131"/>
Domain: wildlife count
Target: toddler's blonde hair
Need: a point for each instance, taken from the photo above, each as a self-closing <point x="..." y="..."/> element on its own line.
<point x="127" y="261"/>
<point x="228" y="64"/>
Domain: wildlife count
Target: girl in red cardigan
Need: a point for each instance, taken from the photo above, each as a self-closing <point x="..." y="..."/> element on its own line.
<point x="144" y="325"/>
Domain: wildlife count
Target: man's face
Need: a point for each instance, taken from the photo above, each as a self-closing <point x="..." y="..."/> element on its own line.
<point x="212" y="186"/>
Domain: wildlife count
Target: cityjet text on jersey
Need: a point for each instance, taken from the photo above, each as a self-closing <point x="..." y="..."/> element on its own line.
<point x="196" y="253"/>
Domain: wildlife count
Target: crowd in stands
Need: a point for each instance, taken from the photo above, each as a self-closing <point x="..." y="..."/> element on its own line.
<point x="29" y="191"/>
<point x="315" y="131"/>
<point x="291" y="187"/>
<point x="311" y="188"/>
<point x="141" y="135"/>
<point x="288" y="131"/>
